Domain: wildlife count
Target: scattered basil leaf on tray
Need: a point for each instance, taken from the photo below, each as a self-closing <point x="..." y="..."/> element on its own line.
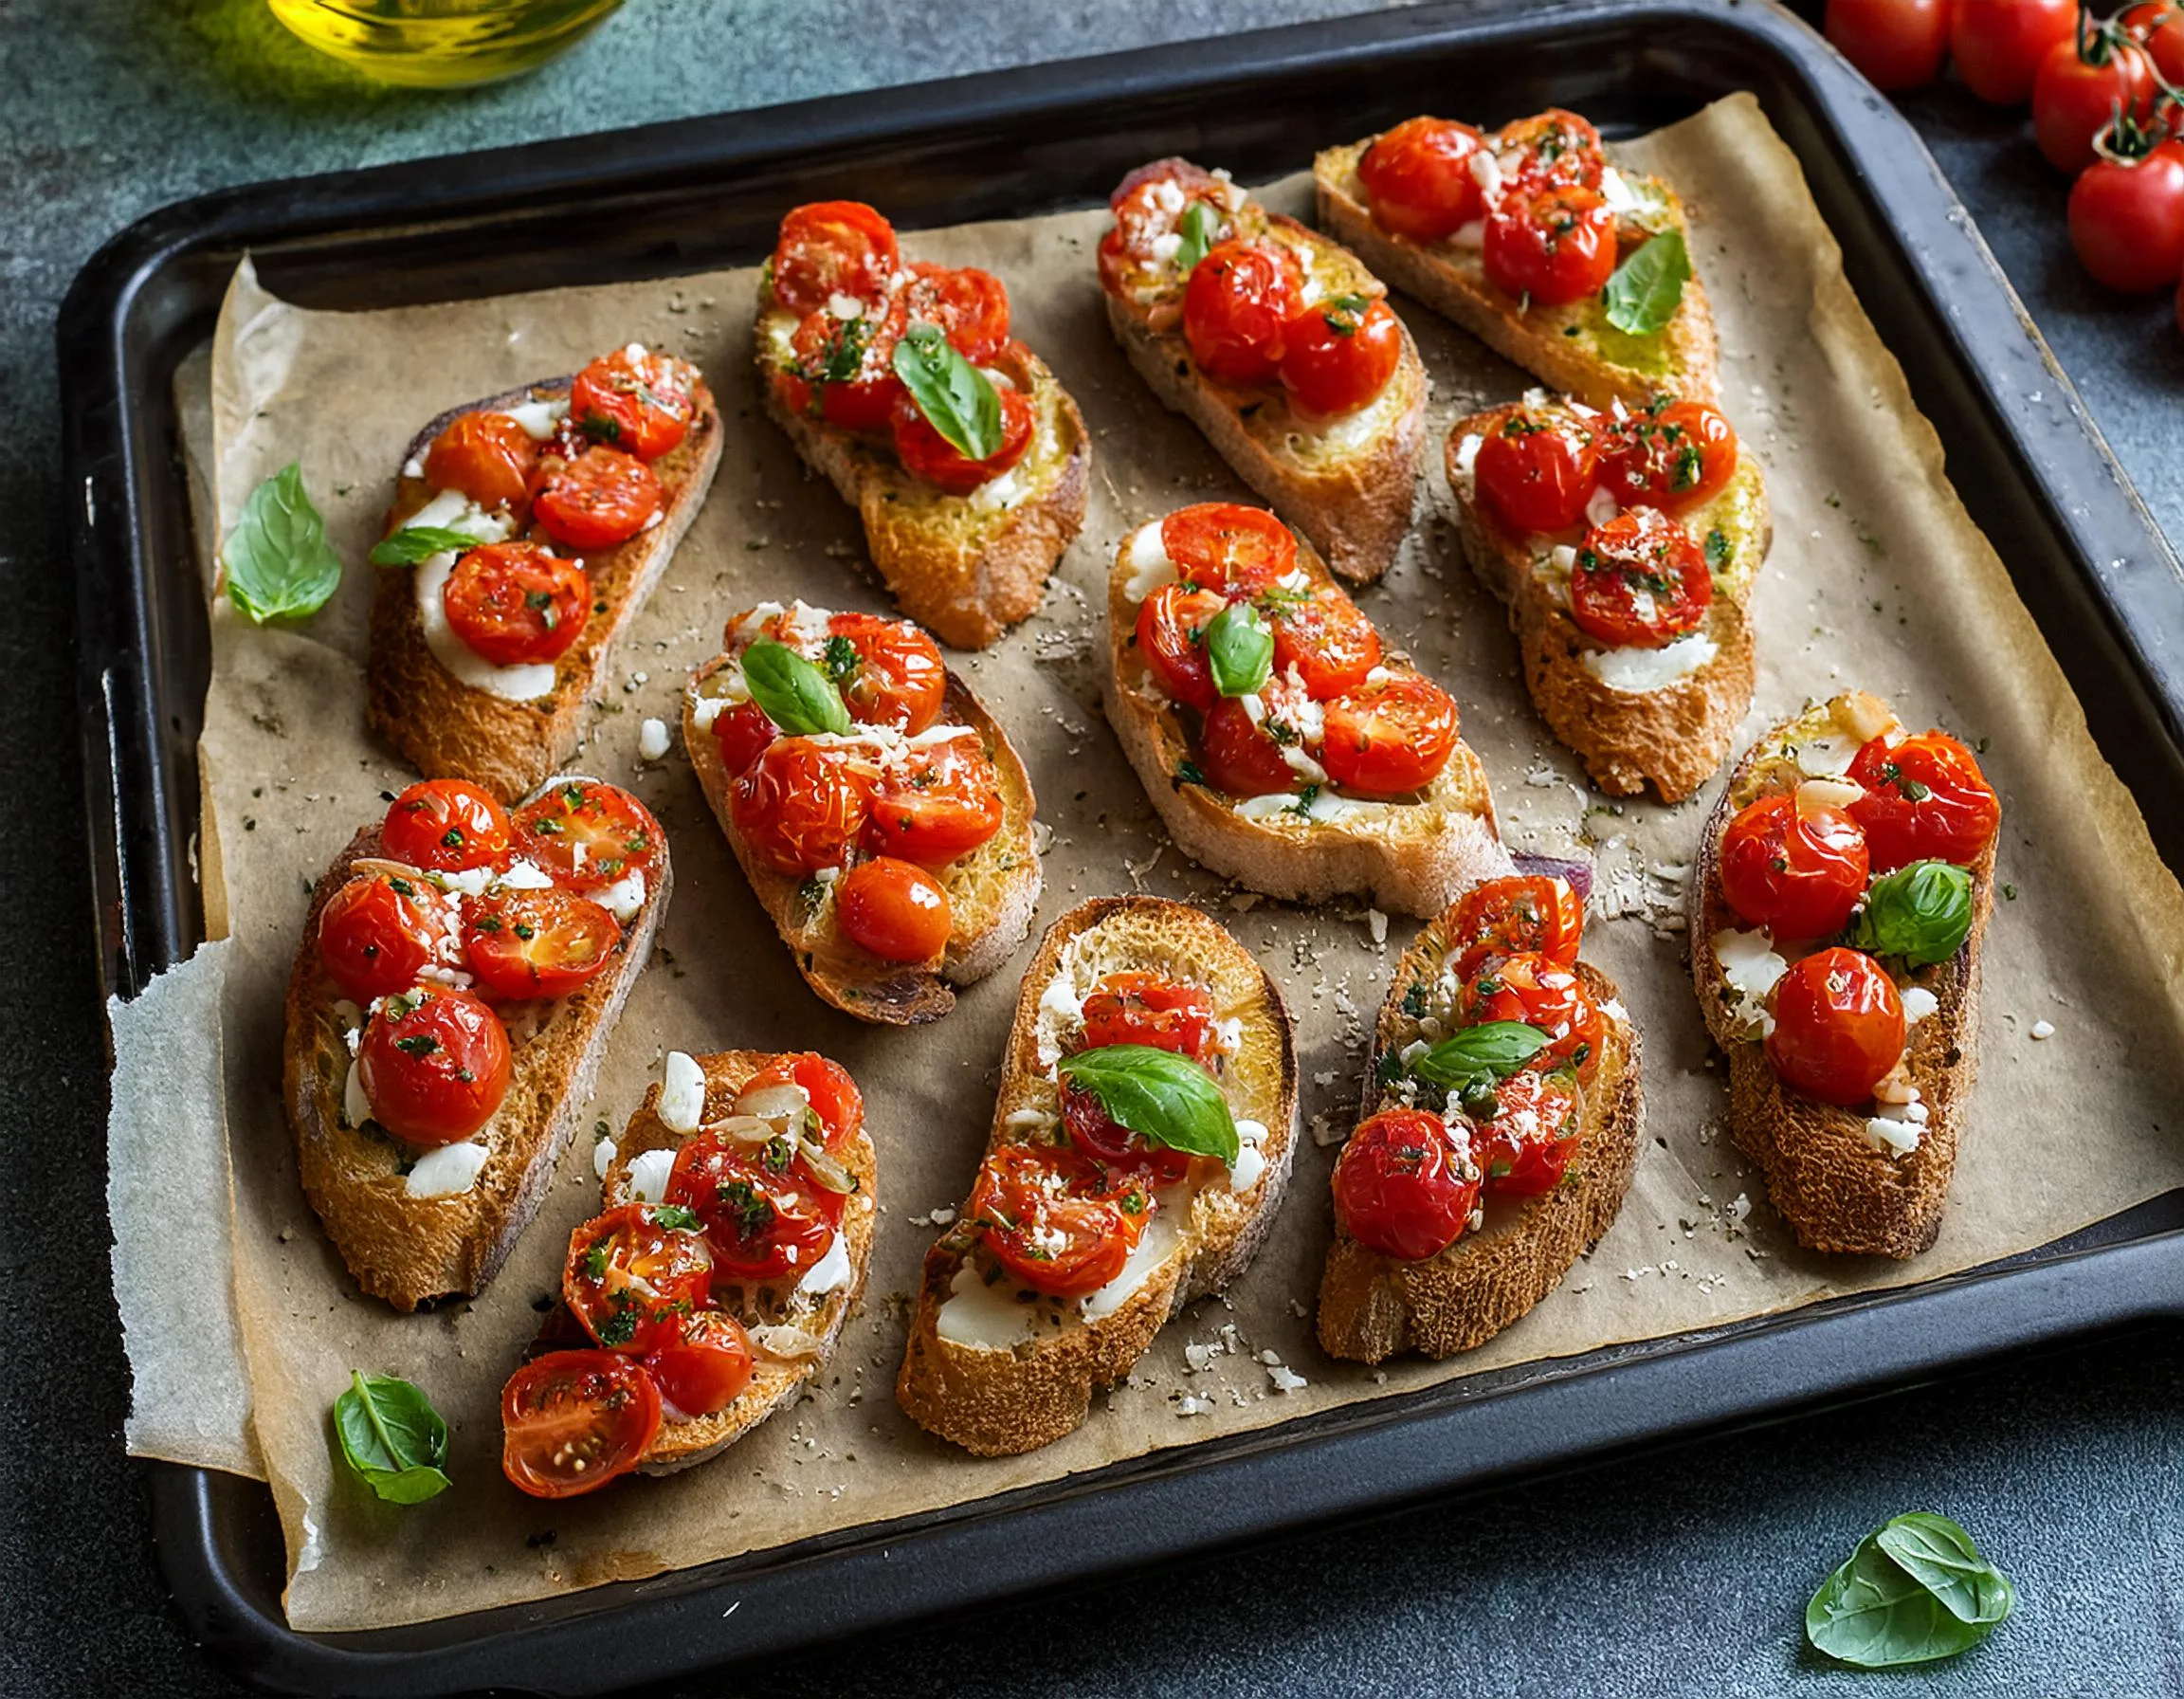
<point x="1200" y="227"/>
<point x="1157" y="1095"/>
<point x="277" y="559"/>
<point x="795" y="695"/>
<point x="956" y="397"/>
<point x="1915" y="1590"/>
<point x="1491" y="1051"/>
<point x="1646" y="290"/>
<point x="414" y="544"/>
<point x="1239" y="650"/>
<point x="1922" y="912"/>
<point x="392" y="1437"/>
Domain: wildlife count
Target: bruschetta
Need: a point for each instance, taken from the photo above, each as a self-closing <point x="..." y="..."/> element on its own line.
<point x="964" y="456"/>
<point x="1507" y="1122"/>
<point x="735" y="1228"/>
<point x="1839" y="903"/>
<point x="1281" y="744"/>
<point x="460" y="971"/>
<point x="1280" y="346"/>
<point x="880" y="812"/>
<point x="1141" y="1140"/>
<point x="526" y="532"/>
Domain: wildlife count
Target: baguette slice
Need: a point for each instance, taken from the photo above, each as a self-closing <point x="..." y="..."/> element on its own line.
<point x="1410" y="856"/>
<point x="1673" y="734"/>
<point x="1009" y="1372"/>
<point x="1371" y="1307"/>
<point x="449" y="729"/>
<point x="412" y="1251"/>
<point x="1837" y="1190"/>
<point x="1570" y="347"/>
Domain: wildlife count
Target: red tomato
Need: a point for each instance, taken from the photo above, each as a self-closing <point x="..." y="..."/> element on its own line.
<point x="925" y="453"/>
<point x="765" y="1217"/>
<point x="1537" y="992"/>
<point x="701" y="1363"/>
<point x="971" y="307"/>
<point x="1052" y="1220"/>
<point x="446" y="826"/>
<point x="801" y="808"/>
<point x="1897" y="43"/>
<point x="639" y="402"/>
<point x="1338" y="355"/>
<point x="1143" y="1008"/>
<point x="1418" y="178"/>
<point x="1838" y="1026"/>
<point x="375" y="935"/>
<point x="943" y="802"/>
<point x="1148" y="205"/>
<point x="487" y="456"/>
<point x="2128" y="220"/>
<point x="515" y="603"/>
<point x="843" y="370"/>
<point x="1998" y="44"/>
<point x="572" y="1420"/>
<point x="1518" y="915"/>
<point x="890" y="674"/>
<point x="1095" y="1134"/>
<point x="1406" y="1185"/>
<point x="1389" y="738"/>
<point x="1324" y="636"/>
<point x="628" y="1275"/>
<point x="1526" y="1144"/>
<point x="2080" y="85"/>
<point x="1556" y="247"/>
<point x="538" y="944"/>
<point x="833" y="247"/>
<point x="588" y="835"/>
<point x="2159" y="26"/>
<point x="1536" y="474"/>
<point x="1674" y="455"/>
<point x="601" y="498"/>
<point x="1172" y="636"/>
<point x="1237" y="309"/>
<point x="1226" y="547"/>
<point x="1798" y="872"/>
<point x="1925" y="800"/>
<point x="1639" y="580"/>
<point x="744" y="734"/>
<point x="894" y="908"/>
<point x="435" y="1064"/>
<point x="1243" y="756"/>
<point x="832" y="1094"/>
<point x="1548" y="151"/>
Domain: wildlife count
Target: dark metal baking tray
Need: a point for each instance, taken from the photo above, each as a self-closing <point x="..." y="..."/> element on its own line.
<point x="2085" y="555"/>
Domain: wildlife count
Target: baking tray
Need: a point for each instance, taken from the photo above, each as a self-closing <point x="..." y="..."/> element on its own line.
<point x="2084" y="552"/>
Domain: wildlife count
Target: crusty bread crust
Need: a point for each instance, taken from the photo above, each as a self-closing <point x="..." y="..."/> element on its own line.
<point x="999" y="1402"/>
<point x="412" y="1251"/>
<point x="449" y="729"/>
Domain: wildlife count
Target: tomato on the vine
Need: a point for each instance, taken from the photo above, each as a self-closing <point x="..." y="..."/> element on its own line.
<point x="2127" y="218"/>
<point x="1838" y="1026"/>
<point x="1418" y="178"/>
<point x="1898" y="45"/>
<point x="1798" y="871"/>
<point x="2159" y="26"/>
<point x="1998" y="44"/>
<point x="2080" y="85"/>
<point x="1405" y="1184"/>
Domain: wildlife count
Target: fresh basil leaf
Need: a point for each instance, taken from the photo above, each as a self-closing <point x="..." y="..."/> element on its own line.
<point x="1939" y="1556"/>
<point x="278" y="563"/>
<point x="1646" y="290"/>
<point x="1201" y="228"/>
<point x="795" y="695"/>
<point x="1876" y="1614"/>
<point x="1493" y="1050"/>
<point x="1157" y="1095"/>
<point x="1239" y="650"/>
<point x="392" y="1437"/>
<point x="415" y="544"/>
<point x="956" y="397"/>
<point x="1921" y="913"/>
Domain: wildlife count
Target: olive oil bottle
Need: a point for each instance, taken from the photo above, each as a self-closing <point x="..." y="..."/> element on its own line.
<point x="441" y="43"/>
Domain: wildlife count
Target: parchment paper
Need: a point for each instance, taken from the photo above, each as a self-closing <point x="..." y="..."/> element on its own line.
<point x="1877" y="580"/>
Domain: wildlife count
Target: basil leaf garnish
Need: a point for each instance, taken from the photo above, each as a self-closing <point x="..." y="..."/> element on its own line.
<point x="1878" y="1610"/>
<point x="392" y="1437"/>
<point x="1239" y="650"/>
<point x="1491" y="1051"/>
<point x="1201" y="225"/>
<point x="278" y="562"/>
<point x="1646" y="290"/>
<point x="1158" y="1095"/>
<point x="415" y="544"/>
<point x="956" y="397"/>
<point x="1939" y="1556"/>
<point x="795" y="695"/>
<point x="1921" y="913"/>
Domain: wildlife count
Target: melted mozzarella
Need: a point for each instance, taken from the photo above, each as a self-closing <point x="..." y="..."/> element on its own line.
<point x="446" y="1171"/>
<point x="451" y="510"/>
<point x="1162" y="1235"/>
<point x="832" y="1273"/>
<point x="1147" y="558"/>
<point x="985" y="1318"/>
<point x="1635" y="671"/>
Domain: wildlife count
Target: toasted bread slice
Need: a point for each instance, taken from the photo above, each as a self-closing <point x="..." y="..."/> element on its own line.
<point x="1570" y="348"/>
<point x="1000" y="1371"/>
<point x="1411" y="855"/>
<point x="448" y="728"/>
<point x="1837" y="1187"/>
<point x="1668" y="728"/>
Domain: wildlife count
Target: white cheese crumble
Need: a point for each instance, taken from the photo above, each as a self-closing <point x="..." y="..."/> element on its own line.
<point x="625" y="898"/>
<point x="1635" y="671"/>
<point x="447" y="1171"/>
<point x="1918" y="1003"/>
<point x="1146" y="557"/>
<point x="652" y="740"/>
<point x="832" y="1271"/>
<point x="538" y="418"/>
<point x="1750" y="967"/>
<point x="2043" y="1029"/>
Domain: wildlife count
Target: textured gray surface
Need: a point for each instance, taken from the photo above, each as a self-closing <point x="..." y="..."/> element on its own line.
<point x="1684" y="1572"/>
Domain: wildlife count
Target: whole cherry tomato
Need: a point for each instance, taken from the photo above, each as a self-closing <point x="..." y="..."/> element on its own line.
<point x="1226" y="547"/>
<point x="515" y="603"/>
<point x="2159" y="26"/>
<point x="1536" y="473"/>
<point x="1518" y="915"/>
<point x="489" y="457"/>
<point x="925" y="453"/>
<point x="888" y="671"/>
<point x="1998" y="44"/>
<point x="1526" y="1144"/>
<point x="826" y="1087"/>
<point x="971" y="307"/>
<point x="1838" y="1026"/>
<point x="1243" y="756"/>
<point x="1537" y="992"/>
<point x="843" y="370"/>
<point x="1674" y="455"/>
<point x="375" y="935"/>
<point x="801" y="808"/>
<point x="588" y="835"/>
<point x="446" y="826"/>
<point x="1172" y="636"/>
<point x="1324" y="635"/>
<point x="1237" y="308"/>
<point x="1897" y="43"/>
<point x="2080" y="85"/>
<point x="701" y="1362"/>
<point x="635" y="400"/>
<point x="743" y="734"/>
<point x="1925" y="800"/>
<point x="2127" y="219"/>
<point x="894" y="908"/>
<point x="1338" y="355"/>
<point x="1388" y="737"/>
<point x="574" y="1420"/>
<point x="1640" y="581"/>
<point x="1796" y="871"/>
<point x="833" y="247"/>
<point x="601" y="498"/>
<point x="538" y="944"/>
<point x="943" y="801"/>
<point x="1057" y="1221"/>
<point x="433" y="1065"/>
<point x="765" y="1217"/>
<point x="1406" y="1185"/>
<point x="629" y="1274"/>
<point x="1554" y="248"/>
<point x="1418" y="178"/>
<point x="1549" y="150"/>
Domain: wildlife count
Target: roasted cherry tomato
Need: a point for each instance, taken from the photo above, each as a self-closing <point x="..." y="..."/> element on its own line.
<point x="925" y="453"/>
<point x="1144" y="1008"/>
<point x="1526" y="1144"/>
<point x="1554" y="247"/>
<point x="588" y="835"/>
<point x="843" y="370"/>
<point x="601" y="498"/>
<point x="1243" y="756"/>
<point x="894" y="908"/>
<point x="942" y="801"/>
<point x="1338" y="354"/>
<point x="1796" y="871"/>
<point x="833" y="247"/>
<point x="743" y="734"/>
<point x="1550" y="150"/>
<point x="1095" y="1134"/>
<point x="888" y="671"/>
<point x="1322" y="634"/>
<point x="1418" y="178"/>
<point x="1405" y="1184"/>
<point x="446" y="826"/>
<point x="801" y="808"/>
<point x="701" y="1362"/>
<point x="375" y="934"/>
<point x="635" y="400"/>
<point x="1540" y="993"/>
<point x="2080" y="85"/>
<point x="826" y="1087"/>
<point x="1226" y="547"/>
<point x="1674" y="455"/>
<point x="1172" y="636"/>
<point x="628" y="1274"/>
<point x="514" y="603"/>
<point x="2127" y="219"/>
<point x="1056" y="1221"/>
<point x="488" y="457"/>
<point x="1838" y="1026"/>
<point x="538" y="944"/>
<point x="1388" y="737"/>
<point x="1998" y="44"/>
<point x="971" y="307"/>
<point x="1237" y="309"/>
<point x="1150" y="205"/>
<point x="1640" y="581"/>
<point x="766" y="1219"/>
<point x="1925" y="800"/>
<point x="572" y="1420"/>
<point x="1536" y="474"/>
<point x="435" y="1064"/>
<point x="1897" y="43"/>
<point x="1523" y="914"/>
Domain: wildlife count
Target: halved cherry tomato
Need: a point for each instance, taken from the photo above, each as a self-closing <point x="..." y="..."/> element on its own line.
<point x="843" y="370"/>
<point x="827" y="1086"/>
<point x="1145" y="1007"/>
<point x="943" y="801"/>
<point x="1388" y="737"/>
<point x="1055" y="1221"/>
<point x="1227" y="546"/>
<point x="971" y="307"/>
<point x="1517" y="914"/>
<point x="446" y="826"/>
<point x="888" y="671"/>
<point x="1172" y="636"/>
<point x="702" y="1361"/>
<point x="1406" y="1185"/>
<point x="1838" y="1026"/>
<point x="2080" y="85"/>
<point x="1540" y="993"/>
<point x="1537" y="473"/>
<point x="1550" y="150"/>
<point x="1324" y="636"/>
<point x="1095" y="1134"/>
<point x="1237" y="309"/>
<point x="765" y="1217"/>
<point x="925" y="453"/>
<point x="2126" y="218"/>
<point x="538" y="944"/>
<point x="1897" y="43"/>
<point x="588" y="835"/>
<point x="1148" y="205"/>
<point x="1553" y="249"/>
<point x="375" y="935"/>
<point x="635" y="400"/>
<point x="601" y="498"/>
<point x="1526" y="1144"/>
<point x="744" y="734"/>
<point x="1243" y="756"/>
<point x="1796" y="871"/>
<point x="488" y="457"/>
<point x="801" y="808"/>
<point x="433" y="1065"/>
<point x="628" y="1274"/>
<point x="574" y="1420"/>
<point x="1998" y="44"/>
<point x="1674" y="455"/>
<point x="1640" y="581"/>
<point x="515" y="603"/>
<point x="894" y="908"/>
<point x="1418" y="178"/>
<point x="1926" y="799"/>
<point x="833" y="247"/>
<point x="1338" y="354"/>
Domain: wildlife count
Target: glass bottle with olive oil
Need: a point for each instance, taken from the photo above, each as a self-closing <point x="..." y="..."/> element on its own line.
<point x="441" y="43"/>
